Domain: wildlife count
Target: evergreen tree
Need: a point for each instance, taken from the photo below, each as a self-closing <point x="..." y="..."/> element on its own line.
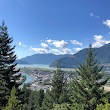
<point x="87" y="87"/>
<point x="33" y="103"/>
<point x="40" y="97"/>
<point x="35" y="100"/>
<point x="48" y="101"/>
<point x="58" y="94"/>
<point x="105" y="106"/>
<point x="58" y="84"/>
<point x="26" y="97"/>
<point x="63" y="106"/>
<point x="13" y="102"/>
<point x="8" y="72"/>
<point x="3" y="92"/>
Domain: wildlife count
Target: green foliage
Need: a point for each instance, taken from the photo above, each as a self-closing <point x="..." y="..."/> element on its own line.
<point x="108" y="96"/>
<point x="26" y="97"/>
<point x="59" y="91"/>
<point x="40" y="97"/>
<point x="7" y="57"/>
<point x="3" y="94"/>
<point x="87" y="87"/>
<point x="13" y="102"/>
<point x="63" y="106"/>
<point x="35" y="100"/>
<point x="105" y="106"/>
<point x="8" y="69"/>
<point x="48" y="101"/>
<point x="58" y="84"/>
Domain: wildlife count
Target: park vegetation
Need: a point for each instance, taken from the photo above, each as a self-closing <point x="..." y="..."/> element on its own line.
<point x="85" y="91"/>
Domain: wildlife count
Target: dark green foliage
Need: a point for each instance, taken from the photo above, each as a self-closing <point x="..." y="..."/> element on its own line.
<point x="26" y="97"/>
<point x="35" y="100"/>
<point x="3" y="94"/>
<point x="8" y="71"/>
<point x="59" y="92"/>
<point x="88" y="86"/>
<point x="13" y="101"/>
<point x="40" y="97"/>
<point x="108" y="96"/>
<point x="48" y="101"/>
<point x="105" y="106"/>
<point x="63" y="106"/>
<point x="58" y="84"/>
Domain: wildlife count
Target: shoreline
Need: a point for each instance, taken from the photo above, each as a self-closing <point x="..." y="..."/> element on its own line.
<point x="40" y="73"/>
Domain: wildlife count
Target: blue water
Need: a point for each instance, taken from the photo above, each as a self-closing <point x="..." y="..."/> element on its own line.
<point x="29" y="78"/>
<point x="33" y="66"/>
<point x="41" y="66"/>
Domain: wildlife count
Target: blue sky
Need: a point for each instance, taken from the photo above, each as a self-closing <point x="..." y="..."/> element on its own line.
<point x="56" y="26"/>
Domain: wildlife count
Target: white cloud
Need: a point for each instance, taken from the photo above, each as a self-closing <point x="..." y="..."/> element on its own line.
<point x="21" y="44"/>
<point x="57" y="43"/>
<point x="76" y="42"/>
<point x="60" y="44"/>
<point x="52" y="50"/>
<point x="55" y="51"/>
<point x="40" y="50"/>
<point x="107" y="42"/>
<point x="93" y="15"/>
<point x="78" y="49"/>
<point x="45" y="46"/>
<point x="67" y="51"/>
<point x="107" y="23"/>
<point x="56" y="47"/>
<point x="50" y="41"/>
<point x="99" y="41"/>
<point x="61" y="51"/>
<point x="45" y="51"/>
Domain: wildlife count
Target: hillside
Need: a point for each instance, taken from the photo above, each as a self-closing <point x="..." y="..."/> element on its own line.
<point x="40" y="59"/>
<point x="21" y="62"/>
<point x="102" y="54"/>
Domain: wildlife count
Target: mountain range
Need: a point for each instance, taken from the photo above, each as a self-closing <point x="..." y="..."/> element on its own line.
<point x="40" y="59"/>
<point x="67" y="61"/>
<point x="102" y="55"/>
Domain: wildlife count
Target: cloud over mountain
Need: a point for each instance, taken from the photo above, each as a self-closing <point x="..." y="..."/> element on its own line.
<point x="78" y="49"/>
<point x="57" y="43"/>
<point x="44" y="45"/>
<point x="99" y="41"/>
<point x="40" y="50"/>
<point x="76" y="42"/>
